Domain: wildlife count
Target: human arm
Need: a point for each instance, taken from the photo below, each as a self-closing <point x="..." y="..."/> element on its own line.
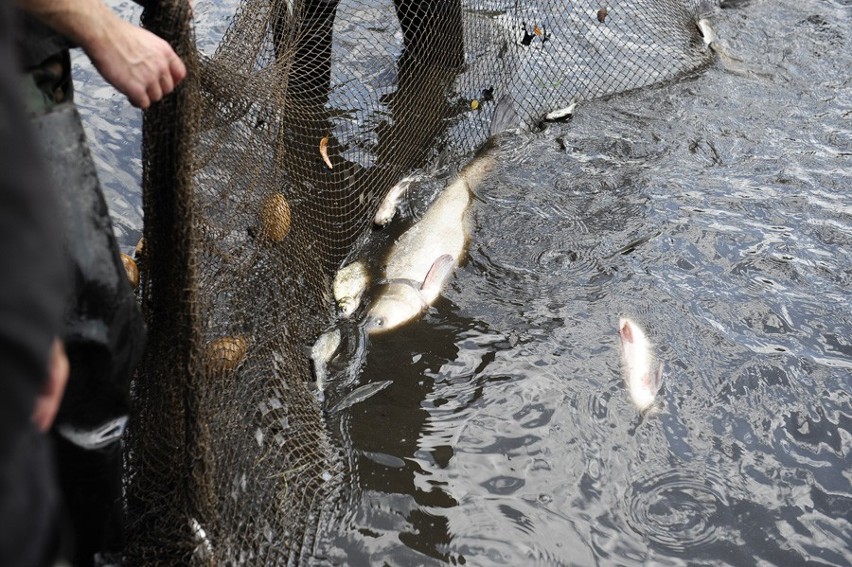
<point x="135" y="61"/>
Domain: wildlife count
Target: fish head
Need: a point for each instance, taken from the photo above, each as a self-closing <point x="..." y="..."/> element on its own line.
<point x="398" y="305"/>
<point x="349" y="285"/>
<point x="347" y="305"/>
<point x="384" y="215"/>
<point x="635" y="345"/>
<point x="625" y="330"/>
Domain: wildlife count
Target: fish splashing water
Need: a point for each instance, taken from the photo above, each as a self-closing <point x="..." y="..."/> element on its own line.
<point x="643" y="373"/>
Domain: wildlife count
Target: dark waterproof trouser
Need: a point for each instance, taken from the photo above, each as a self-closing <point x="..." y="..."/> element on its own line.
<point x="103" y="327"/>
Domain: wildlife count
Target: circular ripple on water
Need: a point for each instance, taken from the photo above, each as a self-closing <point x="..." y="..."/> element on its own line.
<point x="677" y="509"/>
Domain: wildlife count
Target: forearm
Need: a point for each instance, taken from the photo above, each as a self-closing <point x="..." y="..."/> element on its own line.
<point x="136" y="62"/>
<point x="88" y="23"/>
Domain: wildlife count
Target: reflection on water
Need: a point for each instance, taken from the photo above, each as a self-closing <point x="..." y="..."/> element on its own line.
<point x="716" y="213"/>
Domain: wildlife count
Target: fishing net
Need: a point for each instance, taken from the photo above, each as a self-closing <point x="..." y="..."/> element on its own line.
<point x="263" y="172"/>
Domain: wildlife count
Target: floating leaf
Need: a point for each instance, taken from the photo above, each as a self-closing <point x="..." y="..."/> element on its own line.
<point x="602" y="13"/>
<point x="323" y="148"/>
<point x="474" y="104"/>
<point x="131" y="269"/>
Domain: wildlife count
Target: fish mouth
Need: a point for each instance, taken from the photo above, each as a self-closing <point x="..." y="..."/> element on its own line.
<point x="348" y="306"/>
<point x="625" y="331"/>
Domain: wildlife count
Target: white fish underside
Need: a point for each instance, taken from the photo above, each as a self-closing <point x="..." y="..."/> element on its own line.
<point x="642" y="372"/>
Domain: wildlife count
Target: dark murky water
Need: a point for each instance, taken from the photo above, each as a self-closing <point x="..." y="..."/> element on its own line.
<point x="716" y="212"/>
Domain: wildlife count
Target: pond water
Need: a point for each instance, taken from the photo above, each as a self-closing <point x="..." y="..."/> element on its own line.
<point x="716" y="212"/>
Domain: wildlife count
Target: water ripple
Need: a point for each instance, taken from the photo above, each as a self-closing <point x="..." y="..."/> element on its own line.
<point x="677" y="509"/>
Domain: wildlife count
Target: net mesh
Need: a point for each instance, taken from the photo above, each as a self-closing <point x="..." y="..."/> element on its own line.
<point x="263" y="172"/>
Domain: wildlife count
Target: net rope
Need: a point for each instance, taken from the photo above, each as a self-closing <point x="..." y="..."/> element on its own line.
<point x="263" y="172"/>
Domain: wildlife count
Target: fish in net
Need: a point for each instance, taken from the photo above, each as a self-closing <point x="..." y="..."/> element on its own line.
<point x="264" y="171"/>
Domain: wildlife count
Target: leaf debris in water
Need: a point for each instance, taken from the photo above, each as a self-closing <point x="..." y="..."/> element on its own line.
<point x="323" y="148"/>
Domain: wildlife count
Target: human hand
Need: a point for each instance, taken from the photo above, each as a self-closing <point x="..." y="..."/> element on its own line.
<point x="135" y="61"/>
<point x="47" y="402"/>
<point x="138" y="63"/>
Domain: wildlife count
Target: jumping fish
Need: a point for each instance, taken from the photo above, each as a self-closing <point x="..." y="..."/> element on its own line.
<point x="643" y="373"/>
<point x="349" y="285"/>
<point x="203" y="551"/>
<point x="424" y="257"/>
<point x="706" y="32"/>
<point x="97" y="437"/>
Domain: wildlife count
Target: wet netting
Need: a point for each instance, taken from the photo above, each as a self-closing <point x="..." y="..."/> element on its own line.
<point x="263" y="172"/>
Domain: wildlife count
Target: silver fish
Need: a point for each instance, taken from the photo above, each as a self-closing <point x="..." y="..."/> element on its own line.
<point x="95" y="438"/>
<point x="203" y="551"/>
<point x="321" y="353"/>
<point x="427" y="253"/>
<point x="561" y="114"/>
<point x="728" y="61"/>
<point x="706" y="32"/>
<point x="349" y="285"/>
<point x="389" y="206"/>
<point x="643" y="373"/>
<point x="360" y="394"/>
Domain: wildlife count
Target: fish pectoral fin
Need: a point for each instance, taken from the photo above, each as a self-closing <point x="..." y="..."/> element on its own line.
<point x="439" y="272"/>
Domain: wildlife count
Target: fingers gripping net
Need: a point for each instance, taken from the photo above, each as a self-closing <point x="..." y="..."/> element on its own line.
<point x="262" y="173"/>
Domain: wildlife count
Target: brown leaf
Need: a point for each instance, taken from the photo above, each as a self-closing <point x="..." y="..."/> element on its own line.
<point x="323" y="148"/>
<point x="131" y="269"/>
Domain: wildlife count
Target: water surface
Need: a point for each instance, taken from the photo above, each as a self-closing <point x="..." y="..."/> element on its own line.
<point x="716" y="213"/>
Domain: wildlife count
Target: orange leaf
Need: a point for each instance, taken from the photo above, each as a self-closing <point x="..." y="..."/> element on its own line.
<point x="324" y="151"/>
